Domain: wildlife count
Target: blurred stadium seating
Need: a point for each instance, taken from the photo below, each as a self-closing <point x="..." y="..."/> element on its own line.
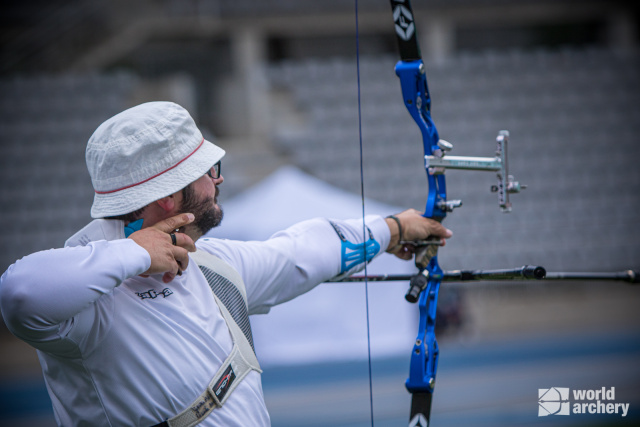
<point x="571" y="106"/>
<point x="573" y="118"/>
<point x="45" y="122"/>
<point x="572" y="114"/>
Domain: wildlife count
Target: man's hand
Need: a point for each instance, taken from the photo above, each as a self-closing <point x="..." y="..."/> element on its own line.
<point x="165" y="257"/>
<point x="413" y="227"/>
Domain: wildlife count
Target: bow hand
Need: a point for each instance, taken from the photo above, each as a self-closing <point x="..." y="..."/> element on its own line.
<point x="412" y="233"/>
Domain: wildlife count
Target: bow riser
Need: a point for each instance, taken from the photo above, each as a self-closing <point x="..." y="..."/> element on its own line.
<point x="424" y="358"/>
<point x="415" y="93"/>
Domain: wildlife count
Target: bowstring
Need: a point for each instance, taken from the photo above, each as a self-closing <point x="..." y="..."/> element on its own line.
<point x="364" y="227"/>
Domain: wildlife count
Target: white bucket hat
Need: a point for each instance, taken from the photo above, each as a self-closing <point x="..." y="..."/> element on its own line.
<point x="144" y="154"/>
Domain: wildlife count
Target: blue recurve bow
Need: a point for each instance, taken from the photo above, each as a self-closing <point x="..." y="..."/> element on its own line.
<point x="424" y="285"/>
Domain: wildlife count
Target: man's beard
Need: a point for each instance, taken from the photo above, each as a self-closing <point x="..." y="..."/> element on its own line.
<point x="206" y="212"/>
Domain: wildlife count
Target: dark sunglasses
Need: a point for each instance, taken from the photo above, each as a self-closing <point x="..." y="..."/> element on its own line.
<point x="214" y="172"/>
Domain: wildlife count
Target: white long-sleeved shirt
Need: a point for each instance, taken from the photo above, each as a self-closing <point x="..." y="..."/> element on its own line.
<point x="118" y="349"/>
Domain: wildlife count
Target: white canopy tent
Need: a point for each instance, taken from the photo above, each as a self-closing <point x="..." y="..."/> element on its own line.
<point x="329" y="322"/>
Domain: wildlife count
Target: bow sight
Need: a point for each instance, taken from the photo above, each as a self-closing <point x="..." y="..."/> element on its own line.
<point x="439" y="161"/>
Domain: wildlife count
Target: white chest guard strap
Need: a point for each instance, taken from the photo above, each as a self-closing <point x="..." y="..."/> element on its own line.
<point x="230" y="295"/>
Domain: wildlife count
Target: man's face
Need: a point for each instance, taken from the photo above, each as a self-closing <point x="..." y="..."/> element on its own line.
<point x="200" y="198"/>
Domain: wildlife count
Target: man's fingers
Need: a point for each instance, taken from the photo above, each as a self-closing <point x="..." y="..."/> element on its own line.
<point x="168" y="276"/>
<point x="166" y="257"/>
<point x="405" y="252"/>
<point x="415" y="228"/>
<point x="184" y="241"/>
<point x="440" y="230"/>
<point x="179" y="263"/>
<point x="182" y="258"/>
<point x="171" y="224"/>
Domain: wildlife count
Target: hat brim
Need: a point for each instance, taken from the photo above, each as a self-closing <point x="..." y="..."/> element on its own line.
<point x="171" y="181"/>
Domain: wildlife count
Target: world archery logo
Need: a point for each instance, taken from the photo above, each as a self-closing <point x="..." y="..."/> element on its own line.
<point x="404" y="22"/>
<point x="553" y="401"/>
<point x="419" y="421"/>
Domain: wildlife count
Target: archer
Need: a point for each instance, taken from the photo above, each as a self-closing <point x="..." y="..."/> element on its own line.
<point x="140" y="321"/>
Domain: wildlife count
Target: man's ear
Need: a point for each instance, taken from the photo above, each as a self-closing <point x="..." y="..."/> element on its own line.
<point x="167" y="204"/>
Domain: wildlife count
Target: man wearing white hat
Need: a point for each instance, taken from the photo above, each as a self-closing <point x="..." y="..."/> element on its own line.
<point x="134" y="322"/>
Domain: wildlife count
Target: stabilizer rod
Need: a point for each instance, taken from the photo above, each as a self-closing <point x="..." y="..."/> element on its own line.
<point x="523" y="273"/>
<point x="630" y="276"/>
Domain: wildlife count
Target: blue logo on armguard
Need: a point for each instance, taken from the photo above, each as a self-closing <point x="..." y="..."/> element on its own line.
<point x="354" y="254"/>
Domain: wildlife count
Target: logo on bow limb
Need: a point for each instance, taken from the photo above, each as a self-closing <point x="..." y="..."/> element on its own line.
<point x="419" y="421"/>
<point x="403" y="18"/>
